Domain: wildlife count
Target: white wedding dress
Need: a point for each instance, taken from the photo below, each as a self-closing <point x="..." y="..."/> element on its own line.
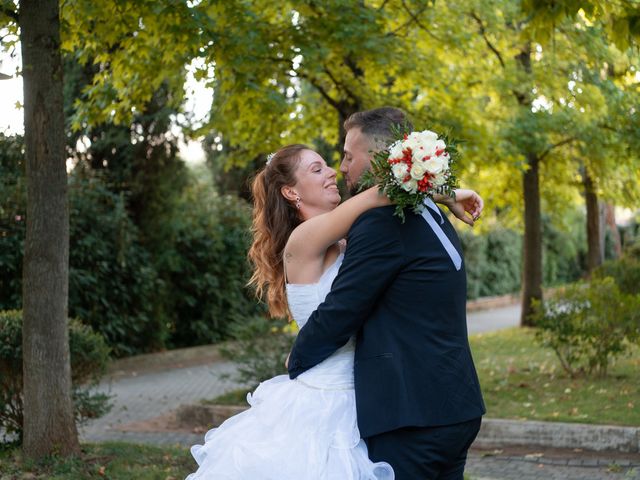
<point x="302" y="429"/>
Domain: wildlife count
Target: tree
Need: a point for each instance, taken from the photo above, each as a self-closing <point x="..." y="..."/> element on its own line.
<point x="295" y="70"/>
<point x="528" y="101"/>
<point x="49" y="423"/>
<point x="621" y="19"/>
<point x="537" y="111"/>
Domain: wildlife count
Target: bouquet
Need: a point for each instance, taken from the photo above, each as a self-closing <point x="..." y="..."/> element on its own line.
<point x="414" y="167"/>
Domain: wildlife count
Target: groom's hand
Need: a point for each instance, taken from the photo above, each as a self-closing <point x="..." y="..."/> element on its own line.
<point x="467" y="205"/>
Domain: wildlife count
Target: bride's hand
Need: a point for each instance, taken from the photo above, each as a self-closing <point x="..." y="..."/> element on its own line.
<point x="467" y="205"/>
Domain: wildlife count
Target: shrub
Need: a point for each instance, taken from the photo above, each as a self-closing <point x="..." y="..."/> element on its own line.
<point x="260" y="348"/>
<point x="492" y="262"/>
<point x="88" y="355"/>
<point x="12" y="224"/>
<point x="588" y="325"/>
<point x="494" y="258"/>
<point x="564" y="249"/>
<point x="176" y="279"/>
<point x="625" y="271"/>
<point x="207" y="267"/>
<point x="113" y="284"/>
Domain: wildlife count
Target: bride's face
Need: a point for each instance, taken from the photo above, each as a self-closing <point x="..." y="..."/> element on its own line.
<point x="316" y="185"/>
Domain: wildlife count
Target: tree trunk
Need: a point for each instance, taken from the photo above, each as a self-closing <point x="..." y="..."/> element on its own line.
<point x="594" y="246"/>
<point x="532" y="246"/>
<point x="610" y="219"/>
<point x="49" y="424"/>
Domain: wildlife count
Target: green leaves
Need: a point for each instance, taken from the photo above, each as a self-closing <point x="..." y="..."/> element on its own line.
<point x="589" y="325"/>
<point x="621" y="18"/>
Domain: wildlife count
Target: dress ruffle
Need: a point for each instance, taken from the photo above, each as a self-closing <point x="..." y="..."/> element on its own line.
<point x="293" y="431"/>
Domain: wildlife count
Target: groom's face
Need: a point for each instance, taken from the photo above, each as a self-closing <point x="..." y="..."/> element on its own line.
<point x="358" y="152"/>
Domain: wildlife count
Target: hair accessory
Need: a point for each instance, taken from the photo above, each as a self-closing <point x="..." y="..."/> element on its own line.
<point x="270" y="157"/>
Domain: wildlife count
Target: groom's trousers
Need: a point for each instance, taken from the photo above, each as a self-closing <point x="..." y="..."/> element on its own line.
<point x="425" y="453"/>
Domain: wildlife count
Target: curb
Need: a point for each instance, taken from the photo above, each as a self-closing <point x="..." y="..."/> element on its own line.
<point x="498" y="432"/>
<point x="500" y="301"/>
<point x="487" y="303"/>
<point x="493" y="432"/>
<point x="165" y="360"/>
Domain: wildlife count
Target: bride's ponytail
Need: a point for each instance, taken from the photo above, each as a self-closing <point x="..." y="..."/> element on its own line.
<point x="274" y="218"/>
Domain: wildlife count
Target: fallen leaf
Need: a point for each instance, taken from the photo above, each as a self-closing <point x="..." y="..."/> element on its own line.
<point x="534" y="455"/>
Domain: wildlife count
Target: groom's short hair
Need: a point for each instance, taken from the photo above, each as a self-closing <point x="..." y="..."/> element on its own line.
<point x="378" y="123"/>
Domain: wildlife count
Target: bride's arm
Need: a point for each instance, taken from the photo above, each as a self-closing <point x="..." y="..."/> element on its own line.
<point x="311" y="238"/>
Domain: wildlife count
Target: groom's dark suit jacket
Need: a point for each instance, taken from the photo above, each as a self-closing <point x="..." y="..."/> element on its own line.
<point x="399" y="291"/>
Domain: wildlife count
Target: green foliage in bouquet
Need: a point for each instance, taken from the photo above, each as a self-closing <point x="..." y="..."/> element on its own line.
<point x="381" y="174"/>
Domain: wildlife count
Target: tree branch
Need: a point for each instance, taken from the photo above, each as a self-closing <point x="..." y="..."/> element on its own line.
<point x="330" y="100"/>
<point x="556" y="145"/>
<point x="414" y="19"/>
<point x="483" y="32"/>
<point x="384" y="4"/>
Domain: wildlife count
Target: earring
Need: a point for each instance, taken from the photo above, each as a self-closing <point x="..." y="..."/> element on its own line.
<point x="298" y="202"/>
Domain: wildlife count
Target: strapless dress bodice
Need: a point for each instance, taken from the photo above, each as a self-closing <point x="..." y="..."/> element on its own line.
<point x="335" y="372"/>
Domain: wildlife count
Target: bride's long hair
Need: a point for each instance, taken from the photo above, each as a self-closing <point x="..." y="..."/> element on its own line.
<point x="274" y="218"/>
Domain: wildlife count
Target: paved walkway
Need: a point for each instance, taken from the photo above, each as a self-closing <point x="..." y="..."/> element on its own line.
<point x="144" y="396"/>
<point x="493" y="319"/>
<point x="552" y="465"/>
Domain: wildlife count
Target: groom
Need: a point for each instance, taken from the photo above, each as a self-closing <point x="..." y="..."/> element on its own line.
<point x="402" y="290"/>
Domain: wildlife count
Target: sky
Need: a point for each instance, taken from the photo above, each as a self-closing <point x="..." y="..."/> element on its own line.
<point x="198" y="102"/>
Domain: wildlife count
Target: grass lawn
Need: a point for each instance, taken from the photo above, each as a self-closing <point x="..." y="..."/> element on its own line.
<point x="115" y="461"/>
<point x="521" y="380"/>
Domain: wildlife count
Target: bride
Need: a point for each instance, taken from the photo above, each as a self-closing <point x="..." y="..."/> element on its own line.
<point x="304" y="428"/>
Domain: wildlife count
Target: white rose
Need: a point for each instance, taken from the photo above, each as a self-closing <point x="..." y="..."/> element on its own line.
<point x="400" y="170"/>
<point x="440" y="179"/>
<point x="418" y="170"/>
<point x="428" y="134"/>
<point x="410" y="186"/>
<point x="411" y="142"/>
<point x="424" y="151"/>
<point x="395" y="150"/>
<point x="437" y="165"/>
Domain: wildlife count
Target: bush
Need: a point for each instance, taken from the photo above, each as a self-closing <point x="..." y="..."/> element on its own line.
<point x="12" y="224"/>
<point x="113" y="284"/>
<point x="494" y="258"/>
<point x="207" y="269"/>
<point x="260" y="348"/>
<point x="492" y="262"/>
<point x="564" y="250"/>
<point x="178" y="279"/>
<point x="88" y="354"/>
<point x="625" y="271"/>
<point x="588" y="325"/>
